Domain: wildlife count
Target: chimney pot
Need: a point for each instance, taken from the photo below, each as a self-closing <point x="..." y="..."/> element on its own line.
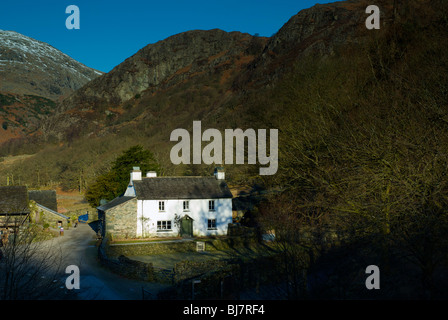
<point x="219" y="173"/>
<point x="136" y="174"/>
<point x="151" y="174"/>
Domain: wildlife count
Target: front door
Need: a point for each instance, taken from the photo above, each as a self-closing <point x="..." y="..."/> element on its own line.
<point x="186" y="227"/>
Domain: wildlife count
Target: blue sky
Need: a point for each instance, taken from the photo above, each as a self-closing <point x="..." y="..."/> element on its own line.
<point x="111" y="31"/>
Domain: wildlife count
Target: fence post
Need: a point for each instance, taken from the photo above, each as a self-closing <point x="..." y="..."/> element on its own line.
<point x="193" y="282"/>
<point x="145" y="291"/>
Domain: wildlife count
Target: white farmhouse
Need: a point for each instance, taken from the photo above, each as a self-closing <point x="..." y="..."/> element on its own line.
<point x="168" y="206"/>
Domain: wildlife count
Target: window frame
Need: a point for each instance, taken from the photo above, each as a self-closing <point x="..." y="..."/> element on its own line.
<point x="162" y="225"/>
<point x="211" y="205"/>
<point x="161" y="206"/>
<point x="186" y="208"/>
<point x="211" y="224"/>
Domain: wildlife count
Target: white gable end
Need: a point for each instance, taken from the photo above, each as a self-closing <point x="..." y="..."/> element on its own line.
<point x="130" y="191"/>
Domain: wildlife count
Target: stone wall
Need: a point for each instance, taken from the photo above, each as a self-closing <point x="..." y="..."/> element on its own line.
<point x="136" y="269"/>
<point x="121" y="220"/>
<point x="46" y="217"/>
<point x="216" y="278"/>
<point x="125" y="266"/>
<point x="222" y="279"/>
<point x="215" y="284"/>
<point x="189" y="269"/>
<point x="153" y="248"/>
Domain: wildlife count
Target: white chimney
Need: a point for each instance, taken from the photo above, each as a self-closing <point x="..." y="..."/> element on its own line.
<point x="136" y="174"/>
<point x="151" y="174"/>
<point x="219" y="173"/>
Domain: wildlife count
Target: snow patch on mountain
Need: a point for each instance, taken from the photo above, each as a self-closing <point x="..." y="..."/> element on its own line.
<point x="25" y="61"/>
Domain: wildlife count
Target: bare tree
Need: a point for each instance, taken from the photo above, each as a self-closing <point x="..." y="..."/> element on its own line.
<point x="29" y="266"/>
<point x="299" y="232"/>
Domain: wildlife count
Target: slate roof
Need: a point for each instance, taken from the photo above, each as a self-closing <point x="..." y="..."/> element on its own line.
<point x="181" y="188"/>
<point x="46" y="198"/>
<point x="117" y="201"/>
<point x="51" y="211"/>
<point x="14" y="200"/>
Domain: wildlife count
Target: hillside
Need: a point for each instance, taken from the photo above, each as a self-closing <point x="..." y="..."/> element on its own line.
<point x="318" y="32"/>
<point x="226" y="80"/>
<point x="156" y="79"/>
<point x="220" y="67"/>
<point x="34" y="76"/>
<point x="21" y="115"/>
<point x="209" y="75"/>
<point x="363" y="138"/>
<point x="32" y="67"/>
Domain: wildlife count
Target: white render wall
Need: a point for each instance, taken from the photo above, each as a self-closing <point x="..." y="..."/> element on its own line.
<point x="198" y="211"/>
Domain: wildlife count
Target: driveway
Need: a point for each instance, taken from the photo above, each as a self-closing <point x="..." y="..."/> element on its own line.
<point x="77" y="247"/>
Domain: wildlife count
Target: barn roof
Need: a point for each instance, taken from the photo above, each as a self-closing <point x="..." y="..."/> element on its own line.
<point x="113" y="203"/>
<point x="46" y="198"/>
<point x="181" y="188"/>
<point x="48" y="210"/>
<point x="14" y="200"/>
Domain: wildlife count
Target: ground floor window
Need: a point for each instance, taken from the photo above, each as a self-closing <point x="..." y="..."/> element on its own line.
<point x="211" y="224"/>
<point x="163" y="225"/>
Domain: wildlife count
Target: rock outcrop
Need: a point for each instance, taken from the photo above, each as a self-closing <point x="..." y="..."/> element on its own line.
<point x="161" y="65"/>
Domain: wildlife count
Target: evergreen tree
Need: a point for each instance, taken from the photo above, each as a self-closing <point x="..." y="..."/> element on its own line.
<point x="114" y="182"/>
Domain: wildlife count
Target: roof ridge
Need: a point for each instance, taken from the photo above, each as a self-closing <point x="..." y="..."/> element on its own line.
<point x="181" y="187"/>
<point x="115" y="202"/>
<point x="176" y="177"/>
<point x="51" y="210"/>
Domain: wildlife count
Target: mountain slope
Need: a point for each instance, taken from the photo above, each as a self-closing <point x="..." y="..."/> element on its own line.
<point x="223" y="79"/>
<point x="195" y="75"/>
<point x="161" y="65"/>
<point x="317" y="31"/>
<point x="28" y="66"/>
<point x="218" y="66"/>
<point x="33" y="77"/>
<point x="21" y="114"/>
<point x="204" y="61"/>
